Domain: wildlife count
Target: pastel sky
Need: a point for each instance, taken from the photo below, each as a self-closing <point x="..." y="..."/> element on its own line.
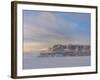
<point x="43" y="29"/>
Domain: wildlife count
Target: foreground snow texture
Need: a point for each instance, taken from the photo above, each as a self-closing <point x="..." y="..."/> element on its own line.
<point x="32" y="61"/>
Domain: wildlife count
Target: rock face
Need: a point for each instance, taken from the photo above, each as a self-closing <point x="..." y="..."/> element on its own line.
<point x="66" y="50"/>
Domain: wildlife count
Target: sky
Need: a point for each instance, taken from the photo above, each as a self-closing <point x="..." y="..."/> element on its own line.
<point x="43" y="29"/>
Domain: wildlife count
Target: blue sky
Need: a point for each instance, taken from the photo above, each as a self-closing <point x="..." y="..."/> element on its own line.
<point x="42" y="29"/>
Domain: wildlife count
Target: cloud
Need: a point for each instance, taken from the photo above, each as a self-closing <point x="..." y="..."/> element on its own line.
<point x="34" y="47"/>
<point x="47" y="24"/>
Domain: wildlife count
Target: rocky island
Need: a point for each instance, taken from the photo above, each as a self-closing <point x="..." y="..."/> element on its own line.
<point x="60" y="50"/>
